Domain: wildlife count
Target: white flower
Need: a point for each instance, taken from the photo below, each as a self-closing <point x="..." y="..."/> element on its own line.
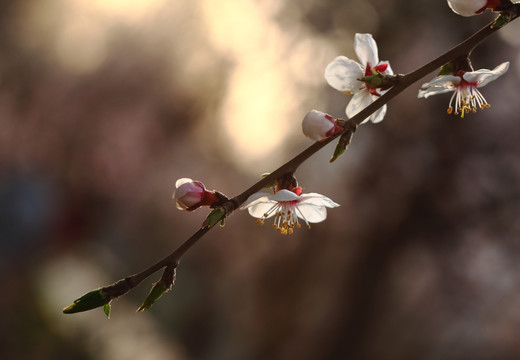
<point x="466" y="96"/>
<point x="318" y="125"/>
<point x="287" y="206"/>
<point x="471" y="7"/>
<point x="343" y="74"/>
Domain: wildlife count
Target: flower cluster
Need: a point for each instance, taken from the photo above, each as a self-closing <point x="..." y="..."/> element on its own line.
<point x="344" y="74"/>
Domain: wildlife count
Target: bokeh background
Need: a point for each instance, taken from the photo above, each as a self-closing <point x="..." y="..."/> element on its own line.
<point x="104" y="104"/>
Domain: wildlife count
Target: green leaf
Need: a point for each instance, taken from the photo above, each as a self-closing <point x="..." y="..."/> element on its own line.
<point x="89" y="301"/>
<point x="214" y="217"/>
<point x="158" y="289"/>
<point x="106" y="309"/>
<point x="340" y="149"/>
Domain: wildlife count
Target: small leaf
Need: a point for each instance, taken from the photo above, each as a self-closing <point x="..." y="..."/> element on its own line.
<point x="89" y="301"/>
<point x="340" y="149"/>
<point x="214" y="217"/>
<point x="158" y="289"/>
<point x="107" y="308"/>
<point x="343" y="142"/>
<point x="499" y="22"/>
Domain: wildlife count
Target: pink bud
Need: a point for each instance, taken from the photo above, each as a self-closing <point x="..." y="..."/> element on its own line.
<point x="318" y="125"/>
<point x="189" y="194"/>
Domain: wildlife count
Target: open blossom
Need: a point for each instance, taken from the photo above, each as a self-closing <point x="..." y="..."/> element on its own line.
<point x="472" y="7"/>
<point x="190" y="194"/>
<point x="318" y="125"/>
<point x="287" y="207"/>
<point x="465" y="84"/>
<point x="343" y="74"/>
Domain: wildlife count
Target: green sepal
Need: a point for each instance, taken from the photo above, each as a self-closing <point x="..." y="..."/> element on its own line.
<point x="158" y="289"/>
<point x="499" y="22"/>
<point x="106" y="309"/>
<point x="214" y="217"/>
<point x="380" y="81"/>
<point x="446" y="69"/>
<point x="89" y="301"/>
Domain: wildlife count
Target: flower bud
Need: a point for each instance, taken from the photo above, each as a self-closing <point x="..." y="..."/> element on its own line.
<point x="189" y="194"/>
<point x="318" y="125"/>
<point x="472" y="7"/>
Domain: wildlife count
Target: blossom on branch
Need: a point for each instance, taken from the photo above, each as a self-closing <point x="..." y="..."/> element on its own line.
<point x="191" y="194"/>
<point x="318" y="125"/>
<point x="344" y="74"/>
<point x="472" y="7"/>
<point x="465" y="84"/>
<point x="287" y="206"/>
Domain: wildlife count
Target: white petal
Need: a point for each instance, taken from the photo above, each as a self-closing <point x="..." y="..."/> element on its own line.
<point x="484" y="76"/>
<point x="311" y="213"/>
<point x="378" y="115"/>
<point x="343" y="74"/>
<point x="317" y="200"/>
<point x="359" y="101"/>
<point x="284" y="195"/>
<point x="439" y="85"/>
<point x="466" y="7"/>
<point x="259" y="209"/>
<point x="256" y="198"/>
<point x="366" y="50"/>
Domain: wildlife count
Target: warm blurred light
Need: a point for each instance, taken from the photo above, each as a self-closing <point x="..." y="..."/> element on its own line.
<point x="77" y="32"/>
<point x="255" y="105"/>
<point x="134" y="10"/>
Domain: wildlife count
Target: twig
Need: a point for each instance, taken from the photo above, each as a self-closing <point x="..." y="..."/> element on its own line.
<point x="104" y="295"/>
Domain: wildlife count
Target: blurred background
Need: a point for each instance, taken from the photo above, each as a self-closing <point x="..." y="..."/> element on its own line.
<point x="104" y="104"/>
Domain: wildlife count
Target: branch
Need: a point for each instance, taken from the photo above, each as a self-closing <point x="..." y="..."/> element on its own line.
<point x="103" y="296"/>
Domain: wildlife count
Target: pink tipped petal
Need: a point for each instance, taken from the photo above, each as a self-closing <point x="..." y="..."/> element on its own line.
<point x="366" y="50"/>
<point x="359" y="101"/>
<point x="343" y="74"/>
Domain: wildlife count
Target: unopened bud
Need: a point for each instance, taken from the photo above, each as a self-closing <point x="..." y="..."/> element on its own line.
<point x="318" y="125"/>
<point x="472" y="7"/>
<point x="188" y="194"/>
